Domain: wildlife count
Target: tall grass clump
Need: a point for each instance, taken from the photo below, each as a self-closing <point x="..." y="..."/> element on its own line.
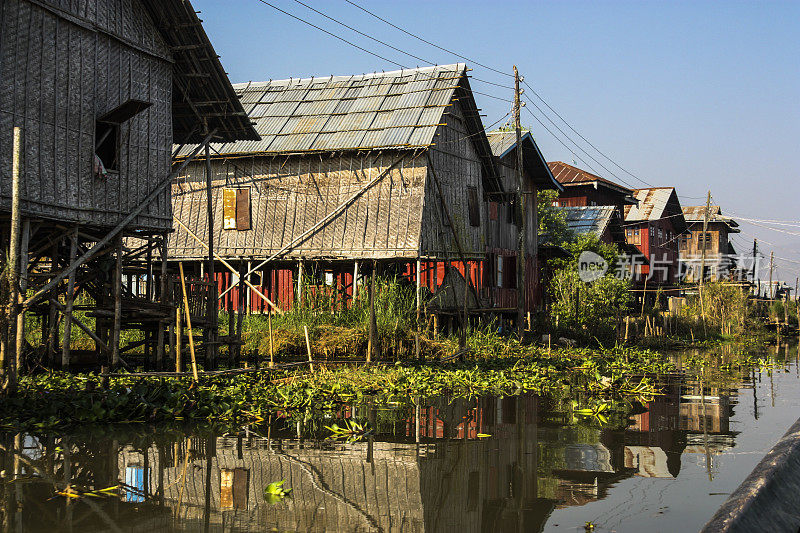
<point x="337" y="327"/>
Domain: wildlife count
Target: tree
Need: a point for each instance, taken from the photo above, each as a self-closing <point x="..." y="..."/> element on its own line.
<point x="552" y="220"/>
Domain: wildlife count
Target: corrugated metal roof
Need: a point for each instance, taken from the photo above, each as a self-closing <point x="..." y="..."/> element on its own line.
<point x="399" y="109"/>
<point x="589" y="219"/>
<point x="570" y="175"/>
<point x="656" y="203"/>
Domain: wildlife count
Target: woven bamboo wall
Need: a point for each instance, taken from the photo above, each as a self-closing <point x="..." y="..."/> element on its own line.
<point x="290" y="195"/>
<point x="63" y="64"/>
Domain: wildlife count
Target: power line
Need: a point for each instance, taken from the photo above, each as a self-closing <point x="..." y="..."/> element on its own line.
<point x="354" y="45"/>
<point x="578" y="146"/>
<point x="428" y="42"/>
<point x="384" y="43"/>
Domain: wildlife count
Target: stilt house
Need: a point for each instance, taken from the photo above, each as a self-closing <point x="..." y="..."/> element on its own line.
<point x="502" y="229"/>
<point x="390" y="169"/>
<point x="100" y="91"/>
<point x="653" y="226"/>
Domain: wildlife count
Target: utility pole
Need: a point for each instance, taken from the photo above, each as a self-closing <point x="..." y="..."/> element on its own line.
<point x="771" y="260"/>
<point x="704" y="239"/>
<point x="755" y="255"/>
<point x="523" y="227"/>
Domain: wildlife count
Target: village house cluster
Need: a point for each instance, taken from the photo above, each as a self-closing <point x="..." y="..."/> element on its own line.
<point x="138" y="157"/>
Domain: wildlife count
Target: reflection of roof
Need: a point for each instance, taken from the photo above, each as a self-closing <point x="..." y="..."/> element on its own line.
<point x="588" y="457"/>
<point x="589" y="219"/>
<point x="568" y="175"/>
<point x="696" y="213"/>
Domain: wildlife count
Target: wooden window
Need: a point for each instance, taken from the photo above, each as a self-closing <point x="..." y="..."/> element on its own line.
<point x="234" y="488"/>
<point x="511" y="211"/>
<point x="228" y="208"/>
<point x="243" y="209"/>
<point x="499" y="276"/>
<point x="493" y="208"/>
<point x="474" y="209"/>
<point x="236" y="209"/>
<point x="509" y="272"/>
<point x="106" y="144"/>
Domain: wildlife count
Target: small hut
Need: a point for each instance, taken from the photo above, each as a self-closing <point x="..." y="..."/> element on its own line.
<point x="388" y="171"/>
<point x="95" y="94"/>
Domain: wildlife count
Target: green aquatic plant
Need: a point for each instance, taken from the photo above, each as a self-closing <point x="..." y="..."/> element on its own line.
<point x="351" y="432"/>
<point x="274" y="492"/>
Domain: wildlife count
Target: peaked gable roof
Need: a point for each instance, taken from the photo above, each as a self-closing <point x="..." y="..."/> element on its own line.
<point x="696" y="213"/>
<point x="654" y="204"/>
<point x="568" y="175"/>
<point x="503" y="144"/>
<point x="397" y="110"/>
<point x="400" y="109"/>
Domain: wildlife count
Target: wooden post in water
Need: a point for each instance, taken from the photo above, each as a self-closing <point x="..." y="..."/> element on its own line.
<point x="271" y="345"/>
<point x="117" y="303"/>
<point x="164" y="300"/>
<point x="177" y="348"/>
<point x="8" y="357"/>
<point x="188" y="321"/>
<point x="240" y="308"/>
<point x="65" y="344"/>
<point x="308" y="349"/>
<point x="23" y="286"/>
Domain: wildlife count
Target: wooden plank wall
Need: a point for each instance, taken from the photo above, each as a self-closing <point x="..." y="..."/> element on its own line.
<point x="63" y="64"/>
<point x="457" y="166"/>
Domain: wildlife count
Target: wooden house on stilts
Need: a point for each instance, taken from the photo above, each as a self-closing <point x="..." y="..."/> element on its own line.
<point x="94" y="95"/>
<point x="388" y="170"/>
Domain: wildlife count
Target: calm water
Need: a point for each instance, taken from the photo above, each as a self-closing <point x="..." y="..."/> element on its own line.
<point x="519" y="463"/>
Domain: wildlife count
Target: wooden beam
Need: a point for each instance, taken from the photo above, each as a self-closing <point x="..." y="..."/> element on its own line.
<point x="98" y="246"/>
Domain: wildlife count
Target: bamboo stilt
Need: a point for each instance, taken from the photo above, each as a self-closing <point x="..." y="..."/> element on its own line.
<point x="188" y="322"/>
<point x="308" y="348"/>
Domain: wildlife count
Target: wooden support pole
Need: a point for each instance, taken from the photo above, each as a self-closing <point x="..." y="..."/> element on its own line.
<point x="308" y="349"/>
<point x="229" y="267"/>
<point x="299" y="296"/>
<point x="188" y="321"/>
<point x="355" y="280"/>
<point x="212" y="307"/>
<point x="8" y="358"/>
<point x="178" y="336"/>
<point x="240" y="310"/>
<point x="23" y="286"/>
<point x="418" y="292"/>
<point x="164" y="300"/>
<point x="373" y="324"/>
<point x="115" y="332"/>
<point x="271" y="344"/>
<point x="70" y="297"/>
<point x="52" y="321"/>
<point x="771" y="266"/>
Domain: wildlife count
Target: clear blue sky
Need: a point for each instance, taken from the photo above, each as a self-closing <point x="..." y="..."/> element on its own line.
<point x="697" y="95"/>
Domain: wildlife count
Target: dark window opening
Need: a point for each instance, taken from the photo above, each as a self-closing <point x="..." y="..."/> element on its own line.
<point x="474" y="210"/>
<point x="106" y="144"/>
